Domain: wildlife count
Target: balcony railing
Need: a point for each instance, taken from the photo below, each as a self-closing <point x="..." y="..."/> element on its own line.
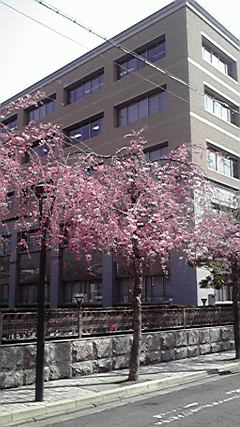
<point x="60" y="323"/>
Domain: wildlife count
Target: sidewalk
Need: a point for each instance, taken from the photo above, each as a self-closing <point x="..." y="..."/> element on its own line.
<point x="64" y="396"/>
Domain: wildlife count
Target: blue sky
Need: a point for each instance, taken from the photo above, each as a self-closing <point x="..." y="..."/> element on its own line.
<point x="30" y="51"/>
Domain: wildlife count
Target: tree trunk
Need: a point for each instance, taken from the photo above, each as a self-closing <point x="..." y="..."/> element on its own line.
<point x="236" y="307"/>
<point x="137" y="319"/>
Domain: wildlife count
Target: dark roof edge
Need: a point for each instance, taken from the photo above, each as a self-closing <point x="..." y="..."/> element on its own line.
<point x="214" y="20"/>
<point x="165" y="11"/>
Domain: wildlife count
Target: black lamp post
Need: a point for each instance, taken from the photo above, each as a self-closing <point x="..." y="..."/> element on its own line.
<point x="39" y="386"/>
<point x="79" y="300"/>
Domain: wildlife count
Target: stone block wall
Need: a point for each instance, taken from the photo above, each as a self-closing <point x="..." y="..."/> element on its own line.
<point x="70" y="358"/>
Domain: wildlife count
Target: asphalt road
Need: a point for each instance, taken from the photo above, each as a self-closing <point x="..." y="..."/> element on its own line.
<point x="212" y="403"/>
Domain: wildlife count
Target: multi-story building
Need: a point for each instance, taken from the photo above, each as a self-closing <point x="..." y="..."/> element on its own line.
<point x="190" y="95"/>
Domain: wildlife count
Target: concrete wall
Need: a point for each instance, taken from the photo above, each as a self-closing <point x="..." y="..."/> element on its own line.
<point x="67" y="359"/>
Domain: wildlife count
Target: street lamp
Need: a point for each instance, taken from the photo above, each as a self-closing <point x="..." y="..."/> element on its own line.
<point x="39" y="386"/>
<point x="79" y="300"/>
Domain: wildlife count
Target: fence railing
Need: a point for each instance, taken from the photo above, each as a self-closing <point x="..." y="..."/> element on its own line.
<point x="60" y="323"/>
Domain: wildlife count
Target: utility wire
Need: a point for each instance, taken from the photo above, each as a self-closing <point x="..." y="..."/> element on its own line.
<point x="44" y="25"/>
<point x="102" y="55"/>
<point x="127" y="51"/>
<point x="114" y="44"/>
<point x="111" y="42"/>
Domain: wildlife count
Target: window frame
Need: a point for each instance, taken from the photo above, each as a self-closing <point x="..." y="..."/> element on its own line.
<point x="78" y="128"/>
<point x="126" y="108"/>
<point x="122" y="65"/>
<point x="8" y="124"/>
<point x="27" y="290"/>
<point x="125" y="288"/>
<point x="41" y="111"/>
<point x="215" y="59"/>
<point x="218" y="58"/>
<point x="219" y="107"/>
<point x="5" y="254"/>
<point x="76" y="90"/>
<point x="223" y="161"/>
<point x="91" y="288"/>
<point x="160" y="147"/>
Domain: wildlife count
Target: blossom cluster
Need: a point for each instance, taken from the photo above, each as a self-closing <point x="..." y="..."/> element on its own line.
<point x="125" y="205"/>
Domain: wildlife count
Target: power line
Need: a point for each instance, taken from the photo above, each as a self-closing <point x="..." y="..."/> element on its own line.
<point x="44" y="25"/>
<point x="128" y="51"/>
<point x="102" y="55"/>
<point x="111" y="42"/>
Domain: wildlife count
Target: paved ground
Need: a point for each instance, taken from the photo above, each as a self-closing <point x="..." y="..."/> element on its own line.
<point x="212" y="402"/>
<point x="64" y="396"/>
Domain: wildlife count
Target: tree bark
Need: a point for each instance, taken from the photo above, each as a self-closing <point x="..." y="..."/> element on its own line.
<point x="137" y="319"/>
<point x="236" y="307"/>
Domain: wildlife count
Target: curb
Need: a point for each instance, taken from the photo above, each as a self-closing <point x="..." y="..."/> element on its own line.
<point x="230" y="368"/>
<point x="45" y="409"/>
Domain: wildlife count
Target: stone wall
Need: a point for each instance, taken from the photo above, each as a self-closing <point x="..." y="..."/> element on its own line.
<point x="69" y="358"/>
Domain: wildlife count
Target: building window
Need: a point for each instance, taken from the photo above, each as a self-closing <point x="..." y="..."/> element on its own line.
<point x="38" y="149"/>
<point x="125" y="289"/>
<point x="147" y="289"/>
<point x="10" y="124"/>
<point x="91" y="289"/>
<point x="75" y="278"/>
<point x="10" y="200"/>
<point x="5" y="245"/>
<point x="4" y="269"/>
<point x="221" y="107"/>
<point x="85" y="88"/>
<point x="29" y="261"/>
<point x="4" y="288"/>
<point x="223" y="162"/>
<point x="157" y="154"/>
<point x="29" y="242"/>
<point x="152" y="53"/>
<point x="214" y="59"/>
<point x="86" y="130"/>
<point x="223" y="294"/>
<point x="47" y="107"/>
<point x="218" y="59"/>
<point x="140" y="109"/>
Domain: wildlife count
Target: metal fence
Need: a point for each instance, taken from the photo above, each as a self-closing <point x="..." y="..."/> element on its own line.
<point x="60" y="323"/>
